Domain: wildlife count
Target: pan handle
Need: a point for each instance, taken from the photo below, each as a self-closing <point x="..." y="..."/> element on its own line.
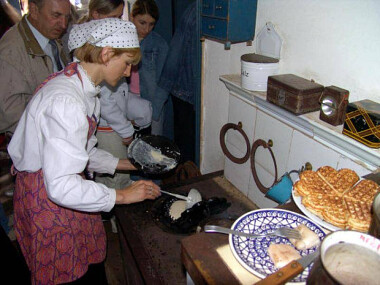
<point x="283" y="275"/>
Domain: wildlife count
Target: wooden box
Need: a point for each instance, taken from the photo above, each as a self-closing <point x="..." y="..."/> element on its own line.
<point x="362" y="122"/>
<point x="293" y="93"/>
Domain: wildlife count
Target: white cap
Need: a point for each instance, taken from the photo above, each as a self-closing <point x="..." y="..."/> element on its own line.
<point x="110" y="32"/>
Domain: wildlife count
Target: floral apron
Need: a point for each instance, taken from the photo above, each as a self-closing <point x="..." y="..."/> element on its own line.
<point x="58" y="243"/>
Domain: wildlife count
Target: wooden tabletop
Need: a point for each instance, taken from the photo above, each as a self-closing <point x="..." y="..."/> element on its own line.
<point x="200" y="254"/>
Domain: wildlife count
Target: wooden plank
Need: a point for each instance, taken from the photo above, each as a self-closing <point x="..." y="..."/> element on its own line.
<point x="202" y="261"/>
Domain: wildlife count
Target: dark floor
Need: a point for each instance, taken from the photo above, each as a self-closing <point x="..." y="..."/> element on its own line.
<point x="113" y="262"/>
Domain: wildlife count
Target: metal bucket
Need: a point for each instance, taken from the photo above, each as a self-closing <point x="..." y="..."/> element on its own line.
<point x="347" y="257"/>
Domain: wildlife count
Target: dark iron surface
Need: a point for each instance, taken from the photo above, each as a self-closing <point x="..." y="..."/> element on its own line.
<point x="155" y="248"/>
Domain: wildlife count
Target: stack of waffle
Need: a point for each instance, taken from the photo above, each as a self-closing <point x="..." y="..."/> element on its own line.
<point x="338" y="197"/>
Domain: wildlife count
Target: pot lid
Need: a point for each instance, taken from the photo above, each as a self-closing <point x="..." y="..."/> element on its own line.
<point x="268" y="41"/>
<point x="257" y="58"/>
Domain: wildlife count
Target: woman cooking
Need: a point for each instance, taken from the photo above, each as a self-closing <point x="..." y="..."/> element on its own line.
<point x="56" y="210"/>
<point x="120" y="112"/>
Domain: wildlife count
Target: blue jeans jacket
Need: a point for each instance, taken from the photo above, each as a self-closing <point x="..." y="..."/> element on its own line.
<point x="154" y="50"/>
<point x="180" y="68"/>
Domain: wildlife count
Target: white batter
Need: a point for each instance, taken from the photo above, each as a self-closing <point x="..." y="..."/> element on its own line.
<point x="177" y="208"/>
<point x="146" y="155"/>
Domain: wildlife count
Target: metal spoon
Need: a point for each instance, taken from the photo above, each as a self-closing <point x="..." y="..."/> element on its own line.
<point x="191" y="199"/>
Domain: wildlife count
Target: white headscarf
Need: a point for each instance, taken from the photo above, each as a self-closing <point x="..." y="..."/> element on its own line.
<point x="110" y="32"/>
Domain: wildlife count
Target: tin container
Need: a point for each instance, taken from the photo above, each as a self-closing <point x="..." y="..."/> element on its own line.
<point x="347" y="257"/>
<point x="255" y="70"/>
<point x="374" y="228"/>
<point x="293" y="93"/>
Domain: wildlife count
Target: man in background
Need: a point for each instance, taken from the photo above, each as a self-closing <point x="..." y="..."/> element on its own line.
<point x="29" y="52"/>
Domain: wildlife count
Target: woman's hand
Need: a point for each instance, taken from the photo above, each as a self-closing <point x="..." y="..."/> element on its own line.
<point x="125" y="164"/>
<point x="137" y="192"/>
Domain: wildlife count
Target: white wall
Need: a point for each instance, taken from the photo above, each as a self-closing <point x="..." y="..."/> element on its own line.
<point x="334" y="42"/>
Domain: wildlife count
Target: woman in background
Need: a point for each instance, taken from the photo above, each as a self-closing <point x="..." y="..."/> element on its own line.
<point x="179" y="78"/>
<point x="97" y="9"/>
<point x="120" y="112"/>
<point x="56" y="210"/>
<point x="154" y="49"/>
<point x="101" y="9"/>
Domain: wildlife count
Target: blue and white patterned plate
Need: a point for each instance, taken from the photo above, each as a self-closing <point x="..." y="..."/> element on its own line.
<point x="252" y="254"/>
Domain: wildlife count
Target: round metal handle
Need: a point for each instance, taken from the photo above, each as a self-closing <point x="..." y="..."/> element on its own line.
<point x="222" y="135"/>
<point x="255" y="145"/>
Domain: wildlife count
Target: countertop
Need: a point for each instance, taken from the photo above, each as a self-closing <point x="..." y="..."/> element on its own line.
<point x="309" y="124"/>
<point x="153" y="255"/>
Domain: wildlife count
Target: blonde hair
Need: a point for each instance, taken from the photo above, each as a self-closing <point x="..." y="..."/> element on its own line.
<point x="92" y="54"/>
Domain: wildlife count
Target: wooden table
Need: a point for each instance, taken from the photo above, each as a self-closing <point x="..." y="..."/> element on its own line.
<point x="200" y="255"/>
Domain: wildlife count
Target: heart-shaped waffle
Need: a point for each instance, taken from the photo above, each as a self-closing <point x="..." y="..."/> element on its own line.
<point x="336" y="197"/>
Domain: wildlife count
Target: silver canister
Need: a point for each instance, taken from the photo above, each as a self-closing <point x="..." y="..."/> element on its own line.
<point x="374" y="228"/>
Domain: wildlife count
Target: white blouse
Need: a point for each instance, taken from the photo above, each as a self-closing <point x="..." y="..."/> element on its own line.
<point x="52" y="135"/>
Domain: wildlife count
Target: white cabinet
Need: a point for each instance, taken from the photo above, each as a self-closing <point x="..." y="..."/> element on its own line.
<point x="296" y="140"/>
<point x="240" y="111"/>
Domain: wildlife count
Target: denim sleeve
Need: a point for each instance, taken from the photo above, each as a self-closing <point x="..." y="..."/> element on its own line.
<point x="170" y="70"/>
<point x="161" y="95"/>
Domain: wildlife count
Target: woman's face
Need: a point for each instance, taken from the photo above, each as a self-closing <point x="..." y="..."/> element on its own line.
<point x="117" y="13"/>
<point x="117" y="67"/>
<point x="144" y="24"/>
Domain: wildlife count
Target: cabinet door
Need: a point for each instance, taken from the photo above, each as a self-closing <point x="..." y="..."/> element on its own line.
<point x="221" y="8"/>
<point x="269" y="128"/>
<point x="306" y="149"/>
<point x="208" y="7"/>
<point x="215" y="28"/>
<point x="239" y="111"/>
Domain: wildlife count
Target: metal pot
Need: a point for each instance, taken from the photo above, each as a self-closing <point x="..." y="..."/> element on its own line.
<point x="374" y="228"/>
<point x="347" y="257"/>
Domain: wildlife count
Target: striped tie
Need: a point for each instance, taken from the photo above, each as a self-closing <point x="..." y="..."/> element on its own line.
<point x="55" y="54"/>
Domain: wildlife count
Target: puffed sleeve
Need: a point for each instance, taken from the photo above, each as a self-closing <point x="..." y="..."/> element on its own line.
<point x="64" y="128"/>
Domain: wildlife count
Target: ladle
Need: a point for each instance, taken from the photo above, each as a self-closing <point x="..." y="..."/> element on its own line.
<point x="191" y="199"/>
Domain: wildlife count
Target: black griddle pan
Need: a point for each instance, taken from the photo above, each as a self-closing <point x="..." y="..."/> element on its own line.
<point x="167" y="147"/>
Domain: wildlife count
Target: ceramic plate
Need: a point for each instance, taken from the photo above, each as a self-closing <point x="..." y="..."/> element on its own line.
<point x="252" y="253"/>
<point x="315" y="218"/>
